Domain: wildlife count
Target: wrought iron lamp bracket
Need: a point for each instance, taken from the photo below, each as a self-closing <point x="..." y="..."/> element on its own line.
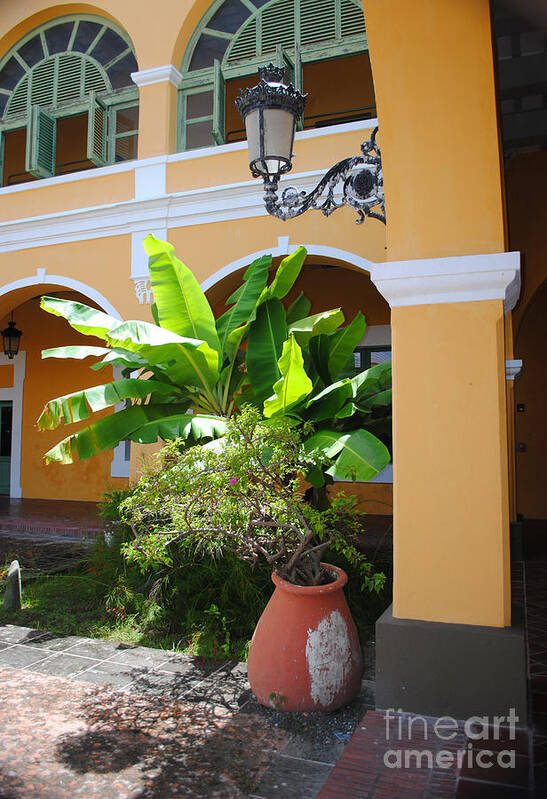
<point x="362" y="189"/>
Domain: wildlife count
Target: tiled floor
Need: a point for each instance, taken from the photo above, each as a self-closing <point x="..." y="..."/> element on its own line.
<point x="50" y="517"/>
<point x="47" y="682"/>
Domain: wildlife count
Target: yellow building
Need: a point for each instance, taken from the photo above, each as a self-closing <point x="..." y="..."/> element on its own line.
<point x="116" y="122"/>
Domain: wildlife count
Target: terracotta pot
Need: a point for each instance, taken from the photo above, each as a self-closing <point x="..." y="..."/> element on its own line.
<point x="305" y="652"/>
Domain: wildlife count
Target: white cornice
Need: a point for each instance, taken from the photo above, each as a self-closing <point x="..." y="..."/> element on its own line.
<point x="167" y="72"/>
<point x="512" y="369"/>
<point x="181" y="209"/>
<point x="466" y="278"/>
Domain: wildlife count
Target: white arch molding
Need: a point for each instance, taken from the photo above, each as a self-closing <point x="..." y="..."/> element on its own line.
<point x="284" y="248"/>
<point x="119" y="466"/>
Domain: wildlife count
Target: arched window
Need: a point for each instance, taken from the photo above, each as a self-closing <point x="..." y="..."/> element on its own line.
<point x="322" y="43"/>
<point x="67" y="101"/>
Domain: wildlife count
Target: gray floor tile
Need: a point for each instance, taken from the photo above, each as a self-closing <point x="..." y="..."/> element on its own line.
<point x="95" y="649"/>
<point x="12" y="634"/>
<point x="227" y="687"/>
<point x="170" y="686"/>
<point x="141" y="656"/>
<point x="21" y="656"/>
<point x="108" y="673"/>
<point x="308" y="749"/>
<point x="62" y="665"/>
<point x="288" y="778"/>
<point x="58" y="643"/>
<point x="194" y="669"/>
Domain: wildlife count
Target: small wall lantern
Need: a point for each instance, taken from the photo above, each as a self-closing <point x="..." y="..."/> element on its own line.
<point x="11" y="338"/>
<point x="270" y="111"/>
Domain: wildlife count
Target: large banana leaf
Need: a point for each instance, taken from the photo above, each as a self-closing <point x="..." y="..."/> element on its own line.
<point x="323" y="322"/>
<point x="294" y="384"/>
<point x="181" y="304"/>
<point x="123" y="359"/>
<point x="319" y="354"/>
<point x="244" y="300"/>
<point x="328" y="402"/>
<point x="287" y="273"/>
<point x="343" y="342"/>
<point x="361" y="458"/>
<point x="75" y="351"/>
<point x="185" y="361"/>
<point x="372" y="380"/>
<point x="382" y="399"/>
<point x="298" y="309"/>
<point x="82" y="318"/>
<point x="141" y="423"/>
<point x="110" y="357"/>
<point x="264" y="346"/>
<point x="359" y="455"/>
<point x="81" y="404"/>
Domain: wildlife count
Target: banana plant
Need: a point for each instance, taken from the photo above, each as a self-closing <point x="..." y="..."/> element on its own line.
<point x="185" y="373"/>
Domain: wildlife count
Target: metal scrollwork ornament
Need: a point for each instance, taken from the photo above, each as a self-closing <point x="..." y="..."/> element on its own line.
<point x="362" y="189"/>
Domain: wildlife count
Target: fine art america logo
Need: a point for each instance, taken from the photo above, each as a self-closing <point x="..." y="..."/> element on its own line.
<point x="479" y="740"/>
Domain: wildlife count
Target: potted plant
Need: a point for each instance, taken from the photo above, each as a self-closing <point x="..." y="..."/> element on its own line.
<point x="244" y="493"/>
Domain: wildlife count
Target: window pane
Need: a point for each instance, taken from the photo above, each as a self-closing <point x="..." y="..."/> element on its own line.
<point x="86" y="33"/>
<point x="126" y="148"/>
<point x="3" y="101"/>
<point x="199" y="135"/>
<point x="57" y="38"/>
<point x="379" y="356"/>
<point x="199" y="105"/>
<point x="120" y="73"/>
<point x="108" y="46"/>
<point x="229" y="17"/>
<point x="127" y="119"/>
<point x="11" y="74"/>
<point x="32" y="51"/>
<point x="207" y="49"/>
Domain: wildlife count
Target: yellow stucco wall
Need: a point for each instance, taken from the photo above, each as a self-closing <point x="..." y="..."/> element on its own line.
<point x="433" y="72"/>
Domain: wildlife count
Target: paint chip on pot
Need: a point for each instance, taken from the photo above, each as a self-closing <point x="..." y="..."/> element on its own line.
<point x="328" y="658"/>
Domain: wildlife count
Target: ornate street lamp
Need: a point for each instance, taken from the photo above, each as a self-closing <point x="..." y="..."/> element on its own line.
<point x="11" y="338"/>
<point x="270" y="111"/>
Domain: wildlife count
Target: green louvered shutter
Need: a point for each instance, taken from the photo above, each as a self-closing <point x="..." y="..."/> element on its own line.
<point x="41" y="141"/>
<point x="97" y="131"/>
<point x="1" y="158"/>
<point x="294" y="65"/>
<point x="219" y="105"/>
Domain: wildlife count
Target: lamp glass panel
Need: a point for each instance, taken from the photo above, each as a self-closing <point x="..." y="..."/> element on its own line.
<point x="278" y="133"/>
<point x="253" y="134"/>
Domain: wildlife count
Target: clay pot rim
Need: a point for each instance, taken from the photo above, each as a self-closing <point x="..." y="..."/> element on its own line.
<point x="313" y="590"/>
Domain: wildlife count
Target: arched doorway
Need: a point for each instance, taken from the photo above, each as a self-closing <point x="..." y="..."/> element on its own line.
<point x="27" y="382"/>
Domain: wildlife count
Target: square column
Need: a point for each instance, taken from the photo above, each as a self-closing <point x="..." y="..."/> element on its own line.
<point x="157" y="110"/>
<point x="451" y="498"/>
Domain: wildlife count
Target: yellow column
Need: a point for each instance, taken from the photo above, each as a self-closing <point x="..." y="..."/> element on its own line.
<point x="433" y="70"/>
<point x="157" y="110"/>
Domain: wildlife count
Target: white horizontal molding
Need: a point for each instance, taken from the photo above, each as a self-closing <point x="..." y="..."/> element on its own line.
<point x="167" y="72"/>
<point x="512" y="369"/>
<point x="466" y="278"/>
<point x="196" y="207"/>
